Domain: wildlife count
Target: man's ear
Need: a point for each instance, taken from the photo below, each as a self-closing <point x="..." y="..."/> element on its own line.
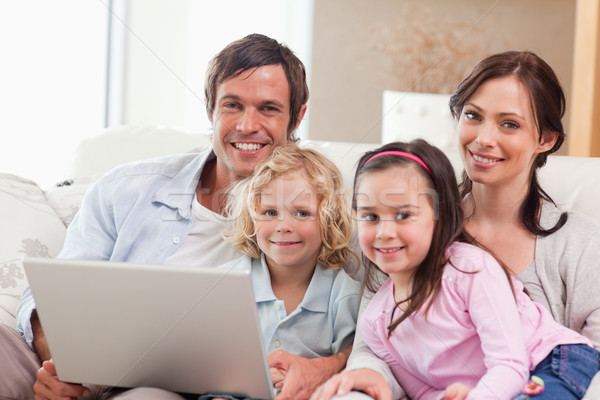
<point x="300" y="116"/>
<point x="547" y="141"/>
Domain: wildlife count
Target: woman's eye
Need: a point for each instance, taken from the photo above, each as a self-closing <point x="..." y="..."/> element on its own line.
<point x="472" y="115"/>
<point x="510" y="125"/>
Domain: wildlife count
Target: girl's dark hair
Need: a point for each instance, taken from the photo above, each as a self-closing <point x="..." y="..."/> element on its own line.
<point x="446" y="203"/>
<point x="548" y="107"/>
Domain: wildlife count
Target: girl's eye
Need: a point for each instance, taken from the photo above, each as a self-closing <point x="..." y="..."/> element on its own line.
<point x="271" y="213"/>
<point x="403" y="216"/>
<point x="369" y="217"/>
<point x="472" y="115"/>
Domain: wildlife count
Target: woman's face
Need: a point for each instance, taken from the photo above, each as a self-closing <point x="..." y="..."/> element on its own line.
<point x="498" y="136"/>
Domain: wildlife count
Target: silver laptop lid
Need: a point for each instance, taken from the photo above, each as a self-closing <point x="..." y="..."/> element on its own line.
<point x="184" y="329"/>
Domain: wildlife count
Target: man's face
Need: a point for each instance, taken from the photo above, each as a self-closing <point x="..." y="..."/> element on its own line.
<point x="251" y="116"/>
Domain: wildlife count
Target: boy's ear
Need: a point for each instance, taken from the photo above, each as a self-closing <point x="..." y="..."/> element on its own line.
<point x="547" y="141"/>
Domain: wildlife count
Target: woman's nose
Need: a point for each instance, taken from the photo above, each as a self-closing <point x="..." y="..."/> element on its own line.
<point x="486" y="135"/>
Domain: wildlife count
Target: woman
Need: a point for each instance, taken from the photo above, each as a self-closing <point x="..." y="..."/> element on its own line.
<point x="508" y="113"/>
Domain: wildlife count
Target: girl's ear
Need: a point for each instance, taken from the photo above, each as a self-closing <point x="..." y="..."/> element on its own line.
<point x="547" y="141"/>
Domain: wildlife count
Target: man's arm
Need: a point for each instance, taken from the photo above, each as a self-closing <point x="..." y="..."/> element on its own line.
<point x="301" y="376"/>
<point x="40" y="346"/>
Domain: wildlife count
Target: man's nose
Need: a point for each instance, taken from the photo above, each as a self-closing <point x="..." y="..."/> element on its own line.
<point x="249" y="121"/>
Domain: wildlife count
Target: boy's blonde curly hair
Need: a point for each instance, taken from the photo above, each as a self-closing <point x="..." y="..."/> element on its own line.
<point x="335" y="219"/>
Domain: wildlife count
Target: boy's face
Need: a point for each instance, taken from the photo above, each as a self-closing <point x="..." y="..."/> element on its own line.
<point x="288" y="229"/>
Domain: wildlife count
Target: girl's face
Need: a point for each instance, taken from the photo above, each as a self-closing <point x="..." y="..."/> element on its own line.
<point x="288" y="229"/>
<point x="497" y="133"/>
<point x="395" y="219"/>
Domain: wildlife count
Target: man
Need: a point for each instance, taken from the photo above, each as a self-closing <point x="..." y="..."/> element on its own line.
<point x="168" y="210"/>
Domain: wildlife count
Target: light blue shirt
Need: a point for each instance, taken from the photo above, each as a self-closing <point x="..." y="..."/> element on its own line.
<point x="323" y="323"/>
<point x="138" y="212"/>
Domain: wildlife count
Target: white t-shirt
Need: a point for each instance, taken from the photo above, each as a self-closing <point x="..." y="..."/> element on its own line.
<point x="204" y="246"/>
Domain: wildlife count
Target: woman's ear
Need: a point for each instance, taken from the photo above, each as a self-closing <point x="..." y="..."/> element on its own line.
<point x="547" y="141"/>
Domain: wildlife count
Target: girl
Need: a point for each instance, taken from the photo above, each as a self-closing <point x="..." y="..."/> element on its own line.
<point x="448" y="320"/>
<point x="293" y="223"/>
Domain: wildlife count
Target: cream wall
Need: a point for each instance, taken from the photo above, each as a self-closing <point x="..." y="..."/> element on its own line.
<point x="361" y="48"/>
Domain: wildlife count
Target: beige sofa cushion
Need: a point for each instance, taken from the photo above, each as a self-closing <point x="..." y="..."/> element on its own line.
<point x="30" y="227"/>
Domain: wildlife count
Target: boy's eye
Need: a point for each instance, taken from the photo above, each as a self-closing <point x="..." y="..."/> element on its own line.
<point x="302" y="214"/>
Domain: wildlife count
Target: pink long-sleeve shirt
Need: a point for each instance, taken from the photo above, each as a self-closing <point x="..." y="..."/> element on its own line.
<point x="474" y="333"/>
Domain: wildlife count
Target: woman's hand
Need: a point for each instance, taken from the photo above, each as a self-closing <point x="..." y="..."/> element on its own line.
<point x="364" y="380"/>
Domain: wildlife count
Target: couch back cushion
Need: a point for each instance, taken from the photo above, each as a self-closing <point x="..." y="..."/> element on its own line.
<point x="30" y="227"/>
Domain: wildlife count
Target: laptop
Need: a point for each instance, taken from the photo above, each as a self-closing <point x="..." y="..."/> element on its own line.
<point x="184" y="329"/>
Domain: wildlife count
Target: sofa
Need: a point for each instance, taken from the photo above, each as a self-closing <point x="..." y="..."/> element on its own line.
<point x="34" y="219"/>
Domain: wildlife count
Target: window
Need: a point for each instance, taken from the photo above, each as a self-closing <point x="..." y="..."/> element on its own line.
<point x="52" y="83"/>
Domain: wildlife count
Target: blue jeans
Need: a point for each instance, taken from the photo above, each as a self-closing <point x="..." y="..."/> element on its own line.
<point x="567" y="372"/>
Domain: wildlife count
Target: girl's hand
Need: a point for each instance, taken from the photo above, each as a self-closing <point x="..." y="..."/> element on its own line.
<point x="457" y="391"/>
<point x="364" y="380"/>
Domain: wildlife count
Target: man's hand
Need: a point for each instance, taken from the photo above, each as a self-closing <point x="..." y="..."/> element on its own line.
<point x="298" y="377"/>
<point x="457" y="391"/>
<point x="48" y="387"/>
<point x="364" y="380"/>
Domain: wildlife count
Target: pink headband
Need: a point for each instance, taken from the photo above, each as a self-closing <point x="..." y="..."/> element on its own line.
<point x="401" y="154"/>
